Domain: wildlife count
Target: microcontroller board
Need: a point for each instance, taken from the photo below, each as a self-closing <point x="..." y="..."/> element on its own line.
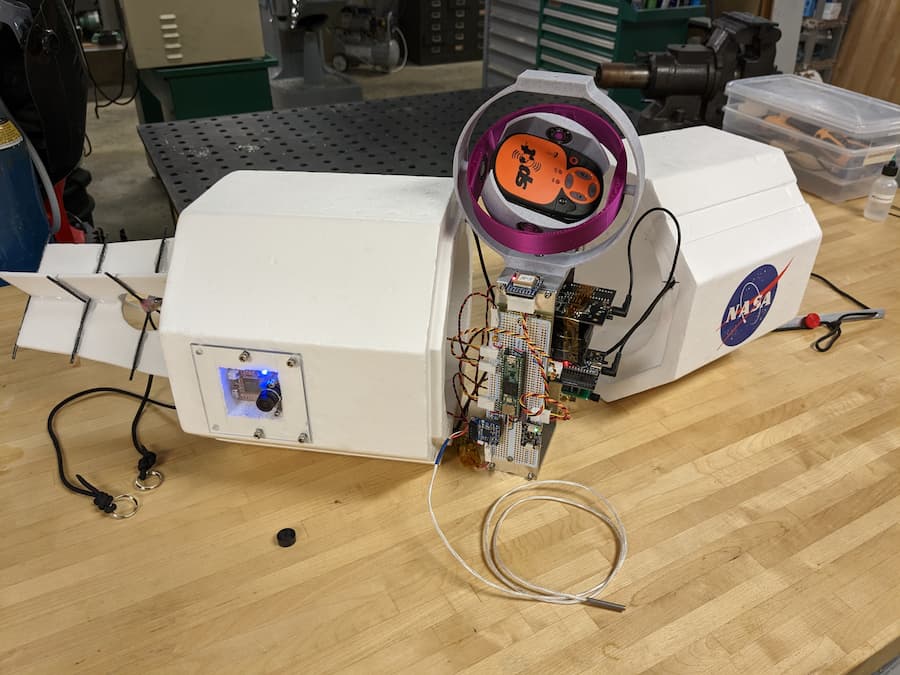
<point x="511" y="369"/>
<point x="579" y="308"/>
<point x="588" y="304"/>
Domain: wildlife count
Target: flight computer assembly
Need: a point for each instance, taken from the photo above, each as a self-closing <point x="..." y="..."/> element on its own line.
<point x="333" y="311"/>
<point x="629" y="261"/>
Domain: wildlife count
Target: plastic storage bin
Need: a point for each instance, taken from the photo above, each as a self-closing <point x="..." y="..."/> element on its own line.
<point x="806" y="151"/>
<point x="831" y="188"/>
<point x="836" y="140"/>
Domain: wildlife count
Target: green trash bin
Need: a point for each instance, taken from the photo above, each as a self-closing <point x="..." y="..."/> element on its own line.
<point x="205" y="90"/>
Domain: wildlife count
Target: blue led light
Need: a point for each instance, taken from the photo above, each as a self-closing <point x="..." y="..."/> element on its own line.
<point x="264" y="372"/>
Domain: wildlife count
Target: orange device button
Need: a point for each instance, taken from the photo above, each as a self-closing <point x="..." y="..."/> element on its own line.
<point x="581" y="185"/>
<point x="530" y="167"/>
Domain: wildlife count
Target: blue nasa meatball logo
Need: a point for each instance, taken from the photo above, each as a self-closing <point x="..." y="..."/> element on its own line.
<point x="749" y="304"/>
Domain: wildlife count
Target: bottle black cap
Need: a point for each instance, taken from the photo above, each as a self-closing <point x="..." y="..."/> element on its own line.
<point x="890" y="169"/>
<point x="286" y="537"/>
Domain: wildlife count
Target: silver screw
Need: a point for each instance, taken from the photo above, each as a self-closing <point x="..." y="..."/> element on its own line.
<point x="491" y="466"/>
<point x="277" y="413"/>
<point x="292" y="362"/>
<point x="509" y="458"/>
<point x="245" y="356"/>
<point x="302" y="438"/>
<point x="259" y="433"/>
<point x="530" y="476"/>
<point x="198" y="352"/>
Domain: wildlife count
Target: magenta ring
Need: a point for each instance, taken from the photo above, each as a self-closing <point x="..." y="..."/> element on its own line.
<point x="551" y="241"/>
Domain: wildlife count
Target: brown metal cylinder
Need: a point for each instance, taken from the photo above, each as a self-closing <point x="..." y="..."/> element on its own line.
<point x="622" y="75"/>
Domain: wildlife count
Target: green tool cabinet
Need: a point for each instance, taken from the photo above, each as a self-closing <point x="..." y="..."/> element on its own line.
<point x="573" y="36"/>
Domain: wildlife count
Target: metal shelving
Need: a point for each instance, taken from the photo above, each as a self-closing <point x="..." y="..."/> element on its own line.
<point x="574" y="36"/>
<point x="510" y="39"/>
<point x="828" y="33"/>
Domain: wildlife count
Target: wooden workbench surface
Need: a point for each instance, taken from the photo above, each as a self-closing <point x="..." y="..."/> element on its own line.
<point x="761" y="497"/>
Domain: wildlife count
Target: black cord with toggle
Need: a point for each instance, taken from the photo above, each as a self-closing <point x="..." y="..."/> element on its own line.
<point x="103" y="500"/>
<point x="834" y="326"/>
<point x="148" y="458"/>
<point x="824" y="343"/>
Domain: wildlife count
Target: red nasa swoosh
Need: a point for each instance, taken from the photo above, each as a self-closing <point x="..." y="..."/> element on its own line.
<point x="762" y="293"/>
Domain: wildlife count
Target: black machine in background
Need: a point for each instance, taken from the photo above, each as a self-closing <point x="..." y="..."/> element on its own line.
<point x="43" y="80"/>
<point x="686" y="83"/>
<point x="370" y="36"/>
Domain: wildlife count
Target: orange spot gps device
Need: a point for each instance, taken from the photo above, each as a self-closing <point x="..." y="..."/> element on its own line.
<point x="542" y="174"/>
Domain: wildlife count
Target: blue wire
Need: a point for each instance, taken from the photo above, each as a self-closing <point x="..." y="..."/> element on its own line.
<point x="440" y="455"/>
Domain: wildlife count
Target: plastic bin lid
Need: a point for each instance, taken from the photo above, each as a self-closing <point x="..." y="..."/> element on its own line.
<point x="855" y="114"/>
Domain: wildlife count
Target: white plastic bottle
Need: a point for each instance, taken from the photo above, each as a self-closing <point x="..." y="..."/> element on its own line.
<point x="881" y="196"/>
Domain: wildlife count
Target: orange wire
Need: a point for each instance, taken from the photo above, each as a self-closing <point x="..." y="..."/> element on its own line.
<point x="465" y="340"/>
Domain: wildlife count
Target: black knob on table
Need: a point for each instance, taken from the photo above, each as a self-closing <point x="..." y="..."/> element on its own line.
<point x="286" y="537"/>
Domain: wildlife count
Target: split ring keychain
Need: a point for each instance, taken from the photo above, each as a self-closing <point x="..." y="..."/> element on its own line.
<point x="144" y="487"/>
<point x="135" y="506"/>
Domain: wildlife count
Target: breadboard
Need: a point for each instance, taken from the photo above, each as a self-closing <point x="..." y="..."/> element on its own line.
<point x="539" y="331"/>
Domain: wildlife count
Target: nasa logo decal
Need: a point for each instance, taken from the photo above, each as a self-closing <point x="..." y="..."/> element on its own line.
<point x="749" y="304"/>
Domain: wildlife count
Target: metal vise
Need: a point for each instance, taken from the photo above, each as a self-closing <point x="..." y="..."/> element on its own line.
<point x="686" y="83"/>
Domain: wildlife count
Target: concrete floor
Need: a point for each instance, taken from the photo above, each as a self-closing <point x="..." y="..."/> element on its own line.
<point x="129" y="197"/>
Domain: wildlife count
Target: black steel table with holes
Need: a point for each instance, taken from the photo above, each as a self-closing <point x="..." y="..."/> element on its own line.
<point x="413" y="135"/>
